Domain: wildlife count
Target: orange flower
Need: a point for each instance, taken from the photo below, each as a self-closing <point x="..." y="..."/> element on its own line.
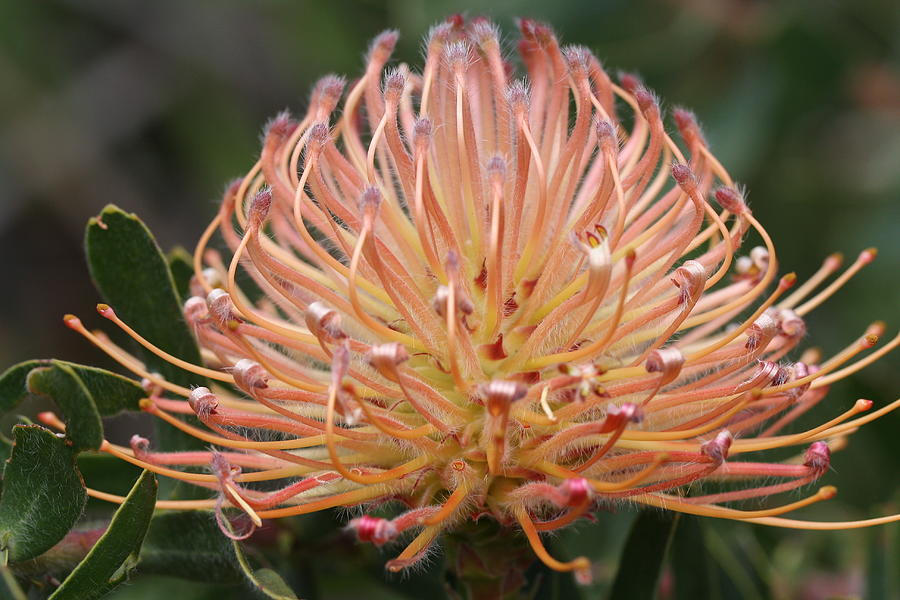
<point x="481" y="296"/>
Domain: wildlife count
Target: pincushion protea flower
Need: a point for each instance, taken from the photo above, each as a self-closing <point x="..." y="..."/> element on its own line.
<point x="479" y="297"/>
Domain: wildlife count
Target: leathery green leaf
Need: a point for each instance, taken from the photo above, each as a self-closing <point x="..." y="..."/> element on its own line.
<point x="111" y="392"/>
<point x="266" y="582"/>
<point x="115" y="553"/>
<point x="43" y="493"/>
<point x="182" y="267"/>
<point x="188" y="544"/>
<point x="12" y="383"/>
<point x="691" y="563"/>
<point x="60" y="382"/>
<point x="641" y="562"/>
<point x="133" y="276"/>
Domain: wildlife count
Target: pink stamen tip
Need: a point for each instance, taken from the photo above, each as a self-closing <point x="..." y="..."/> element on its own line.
<point x="731" y="200"/>
<point x="787" y="281"/>
<point x="324" y="322"/>
<point x="647" y="103"/>
<point x="281" y="126"/>
<point x="384" y="357"/>
<point x="330" y="88"/>
<point x="384" y="44"/>
<point x="818" y="457"/>
<point x="792" y="325"/>
<point x="518" y="95"/>
<point x="394" y="83"/>
<point x="370" y="201"/>
<point x="828" y="492"/>
<point x="456" y="20"/>
<point x="578" y="60"/>
<point x="667" y="361"/>
<point x="498" y="395"/>
<point x="195" y="309"/>
<point x="249" y="375"/>
<point x="222" y="468"/>
<point x="605" y="130"/>
<point x="834" y="261"/>
<point x="260" y="206"/>
<point x="684" y="176"/>
<point x="373" y="529"/>
<point x="139" y="445"/>
<point x="423" y="130"/>
<point x="543" y="34"/>
<point x="684" y="119"/>
<point x="868" y="255"/>
<point x="496" y="167"/>
<point x="106" y="311"/>
<point x="630" y="257"/>
<point x="717" y="448"/>
<point x="220" y="307"/>
<point x="618" y="416"/>
<point x="48" y="418"/>
<point x="577" y="490"/>
<point x="584" y="576"/>
<point x="484" y="31"/>
<point x="71" y="321"/>
<point x="630" y="81"/>
<point x="203" y="402"/>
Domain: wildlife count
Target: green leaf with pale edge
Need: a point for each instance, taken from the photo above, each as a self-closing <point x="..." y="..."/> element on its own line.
<point x="181" y="265"/>
<point x="59" y="381"/>
<point x="133" y="276"/>
<point x="43" y="493"/>
<point x="641" y="562"/>
<point x="12" y="383"/>
<point x="111" y="392"/>
<point x="272" y="585"/>
<point x="108" y="562"/>
<point x="265" y="582"/>
<point x="188" y="544"/>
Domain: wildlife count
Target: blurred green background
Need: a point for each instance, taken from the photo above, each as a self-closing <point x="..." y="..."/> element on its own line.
<point x="154" y="105"/>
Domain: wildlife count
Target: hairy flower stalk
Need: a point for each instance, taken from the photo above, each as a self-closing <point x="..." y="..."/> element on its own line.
<point x="476" y="296"/>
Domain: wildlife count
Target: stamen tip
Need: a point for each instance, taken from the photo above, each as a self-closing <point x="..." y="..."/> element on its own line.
<point x="827" y="492"/>
<point x="583" y="574"/>
<point x="48" y="417"/>
<point x="868" y="255"/>
<point x="630" y="257"/>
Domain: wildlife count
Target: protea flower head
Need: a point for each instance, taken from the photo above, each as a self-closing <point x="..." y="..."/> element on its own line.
<point x="468" y="295"/>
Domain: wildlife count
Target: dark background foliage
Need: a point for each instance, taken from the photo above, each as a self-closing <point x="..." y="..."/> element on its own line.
<point x="154" y="105"/>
